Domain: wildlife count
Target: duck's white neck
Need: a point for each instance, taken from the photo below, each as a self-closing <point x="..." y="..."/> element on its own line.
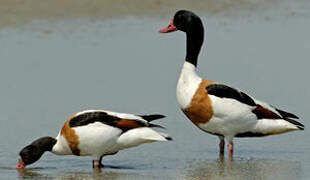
<point x="61" y="147"/>
<point x="187" y="85"/>
<point x="188" y="68"/>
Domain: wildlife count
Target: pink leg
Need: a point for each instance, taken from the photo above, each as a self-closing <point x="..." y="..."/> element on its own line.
<point x="222" y="146"/>
<point x="230" y="150"/>
<point x="96" y="164"/>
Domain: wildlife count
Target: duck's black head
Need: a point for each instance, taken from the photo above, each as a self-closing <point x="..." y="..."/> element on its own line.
<point x="185" y="21"/>
<point x="34" y="151"/>
<point x="191" y="24"/>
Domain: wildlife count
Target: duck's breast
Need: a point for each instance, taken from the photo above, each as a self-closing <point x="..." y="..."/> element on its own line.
<point x="187" y="86"/>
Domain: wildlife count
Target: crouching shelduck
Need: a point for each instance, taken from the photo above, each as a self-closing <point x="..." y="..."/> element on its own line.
<point x="217" y="108"/>
<point x="95" y="133"/>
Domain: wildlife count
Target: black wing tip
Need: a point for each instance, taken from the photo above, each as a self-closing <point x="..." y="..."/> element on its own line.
<point x="290" y="115"/>
<point x="287" y="114"/>
<point x="152" y="117"/>
<point x="156" y="126"/>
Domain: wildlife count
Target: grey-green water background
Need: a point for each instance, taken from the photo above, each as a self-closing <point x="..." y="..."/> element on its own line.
<point x="60" y="57"/>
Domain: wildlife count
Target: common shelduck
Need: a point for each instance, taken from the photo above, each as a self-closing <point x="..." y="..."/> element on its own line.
<point x="217" y="108"/>
<point x="95" y="133"/>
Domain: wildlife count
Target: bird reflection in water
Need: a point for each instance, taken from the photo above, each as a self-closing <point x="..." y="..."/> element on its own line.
<point x="110" y="172"/>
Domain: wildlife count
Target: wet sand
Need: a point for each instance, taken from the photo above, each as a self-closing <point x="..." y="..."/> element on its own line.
<point x="18" y="12"/>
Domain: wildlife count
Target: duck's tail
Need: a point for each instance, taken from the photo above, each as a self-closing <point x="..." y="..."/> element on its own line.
<point x="296" y="123"/>
<point x="137" y="136"/>
<point x="277" y="126"/>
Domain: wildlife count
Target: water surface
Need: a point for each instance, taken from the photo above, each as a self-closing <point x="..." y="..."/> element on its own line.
<point x="52" y="69"/>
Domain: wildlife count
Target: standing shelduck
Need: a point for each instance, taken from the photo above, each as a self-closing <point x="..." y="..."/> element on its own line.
<point x="217" y="108"/>
<point x="95" y="133"/>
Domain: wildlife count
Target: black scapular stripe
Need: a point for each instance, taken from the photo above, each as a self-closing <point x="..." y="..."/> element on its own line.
<point x="224" y="91"/>
<point x="91" y="117"/>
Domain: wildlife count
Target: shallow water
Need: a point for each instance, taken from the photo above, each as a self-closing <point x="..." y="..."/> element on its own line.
<point x="52" y="69"/>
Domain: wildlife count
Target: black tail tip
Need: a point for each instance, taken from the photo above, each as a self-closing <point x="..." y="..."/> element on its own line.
<point x="301" y="127"/>
<point x="169" y="138"/>
<point x="296" y="123"/>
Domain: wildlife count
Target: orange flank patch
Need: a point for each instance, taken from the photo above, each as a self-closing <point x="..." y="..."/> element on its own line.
<point x="71" y="137"/>
<point x="200" y="109"/>
<point x="126" y="124"/>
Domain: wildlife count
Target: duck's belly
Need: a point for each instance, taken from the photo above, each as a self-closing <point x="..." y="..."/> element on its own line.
<point x="226" y="128"/>
<point x="220" y="116"/>
<point x="97" y="139"/>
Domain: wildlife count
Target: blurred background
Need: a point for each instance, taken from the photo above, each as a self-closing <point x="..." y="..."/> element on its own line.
<point x="18" y="12"/>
